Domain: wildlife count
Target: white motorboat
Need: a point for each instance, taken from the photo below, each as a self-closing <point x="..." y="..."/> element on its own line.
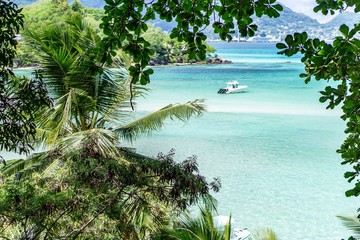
<point x="232" y="87"/>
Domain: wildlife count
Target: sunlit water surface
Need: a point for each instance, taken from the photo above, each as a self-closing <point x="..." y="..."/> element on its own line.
<point x="274" y="146"/>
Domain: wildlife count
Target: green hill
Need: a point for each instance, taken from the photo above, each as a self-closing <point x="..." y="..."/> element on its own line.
<point x="87" y="3"/>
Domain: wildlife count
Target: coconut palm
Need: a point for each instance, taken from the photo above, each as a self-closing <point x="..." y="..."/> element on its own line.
<point x="200" y="227"/>
<point x="115" y="188"/>
<point x="92" y="103"/>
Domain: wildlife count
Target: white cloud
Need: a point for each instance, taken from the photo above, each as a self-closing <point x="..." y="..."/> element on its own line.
<point x="306" y="7"/>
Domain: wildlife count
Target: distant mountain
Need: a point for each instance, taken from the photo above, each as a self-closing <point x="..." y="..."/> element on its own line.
<point x="289" y="22"/>
<point x="348" y="18"/>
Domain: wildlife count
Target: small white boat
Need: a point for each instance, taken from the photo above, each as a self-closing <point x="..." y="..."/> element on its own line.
<point x="232" y="87"/>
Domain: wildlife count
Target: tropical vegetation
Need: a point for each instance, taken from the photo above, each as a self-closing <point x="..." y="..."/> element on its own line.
<point x="323" y="61"/>
<point x="85" y="183"/>
<point x="19" y="97"/>
<point x="45" y="12"/>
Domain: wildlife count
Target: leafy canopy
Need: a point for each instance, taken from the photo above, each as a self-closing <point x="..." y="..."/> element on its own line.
<point x="86" y="183"/>
<point x="125" y="22"/>
<point x="19" y="97"/>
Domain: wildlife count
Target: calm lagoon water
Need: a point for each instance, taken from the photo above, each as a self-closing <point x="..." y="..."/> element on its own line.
<point x="274" y="146"/>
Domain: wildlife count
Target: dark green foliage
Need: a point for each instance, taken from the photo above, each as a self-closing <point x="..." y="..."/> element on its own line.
<point x="86" y="185"/>
<point x="11" y="21"/>
<point x="329" y="6"/>
<point x="77" y="6"/>
<point x="167" y="50"/>
<point x="19" y="97"/>
<point x="125" y="21"/>
<point x="44" y="13"/>
<point x="19" y="100"/>
<point x="338" y="61"/>
<point x="95" y="196"/>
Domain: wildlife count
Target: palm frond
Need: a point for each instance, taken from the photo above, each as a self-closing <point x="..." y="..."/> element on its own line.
<point x="12" y="167"/>
<point x="22" y="168"/>
<point x="93" y="141"/>
<point x="263" y="234"/>
<point x="50" y="169"/>
<point x="56" y="120"/>
<point x="155" y="121"/>
<point x="227" y="232"/>
<point x="351" y="222"/>
<point x="112" y="95"/>
<point x="55" y="57"/>
<point x="201" y="227"/>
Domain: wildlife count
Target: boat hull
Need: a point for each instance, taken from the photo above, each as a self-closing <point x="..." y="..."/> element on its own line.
<point x="232" y="90"/>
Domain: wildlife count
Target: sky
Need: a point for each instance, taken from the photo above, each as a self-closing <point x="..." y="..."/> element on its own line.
<point x="306" y="7"/>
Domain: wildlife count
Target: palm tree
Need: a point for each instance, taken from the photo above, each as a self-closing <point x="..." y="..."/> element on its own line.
<point x="122" y="191"/>
<point x="202" y="227"/>
<point x="92" y="103"/>
<point x="206" y="227"/>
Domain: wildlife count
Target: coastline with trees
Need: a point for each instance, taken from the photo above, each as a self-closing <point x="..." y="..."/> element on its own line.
<point x="86" y="183"/>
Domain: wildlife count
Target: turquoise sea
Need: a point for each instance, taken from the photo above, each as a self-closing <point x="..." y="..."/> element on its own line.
<point x="274" y="146"/>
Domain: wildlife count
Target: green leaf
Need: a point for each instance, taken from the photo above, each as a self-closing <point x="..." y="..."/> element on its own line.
<point x="322" y="52"/>
<point x="278" y="7"/>
<point x="304" y="37"/>
<point x="289" y="40"/>
<point x="317" y="60"/>
<point x="323" y="99"/>
<point x="155" y="121"/>
<point x="349" y="174"/>
<point x="344" y="29"/>
<point x="349" y="193"/>
<point x="149" y="71"/>
<point x="281" y="46"/>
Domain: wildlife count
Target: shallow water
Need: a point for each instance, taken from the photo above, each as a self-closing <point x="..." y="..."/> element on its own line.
<point x="273" y="146"/>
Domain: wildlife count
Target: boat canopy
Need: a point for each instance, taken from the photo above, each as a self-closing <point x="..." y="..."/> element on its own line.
<point x="233" y="82"/>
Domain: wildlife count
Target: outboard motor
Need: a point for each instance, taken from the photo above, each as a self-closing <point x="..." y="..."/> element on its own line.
<point x="222" y="90"/>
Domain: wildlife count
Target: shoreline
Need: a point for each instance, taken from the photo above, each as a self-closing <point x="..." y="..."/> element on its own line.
<point x="212" y="60"/>
<point x="26" y="68"/>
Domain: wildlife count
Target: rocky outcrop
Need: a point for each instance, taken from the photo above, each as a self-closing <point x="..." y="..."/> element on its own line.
<point x="216" y="60"/>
